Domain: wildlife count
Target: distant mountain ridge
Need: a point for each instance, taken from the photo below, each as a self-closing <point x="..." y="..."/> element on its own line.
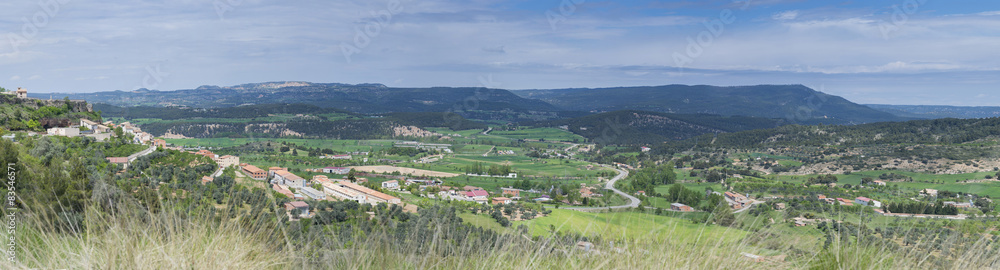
<point x="361" y="98"/>
<point x="796" y="103"/>
<point x="939" y="111"/>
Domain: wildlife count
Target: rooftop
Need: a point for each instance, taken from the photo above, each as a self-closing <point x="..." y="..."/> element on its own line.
<point x="340" y="189"/>
<point x="118" y="159"/>
<point x="477" y="193"/>
<point x="368" y="191"/>
<point x="252" y="169"/>
<point x="299" y="204"/>
<point x="287" y="175"/>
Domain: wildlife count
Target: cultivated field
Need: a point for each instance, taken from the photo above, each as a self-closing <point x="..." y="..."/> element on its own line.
<point x="403" y="170"/>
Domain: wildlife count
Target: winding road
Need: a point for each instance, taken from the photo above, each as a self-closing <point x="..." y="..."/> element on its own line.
<point x="633" y="201"/>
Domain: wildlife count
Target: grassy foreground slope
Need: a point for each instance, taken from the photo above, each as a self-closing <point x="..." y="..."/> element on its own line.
<point x="168" y="241"/>
<point x="630" y="225"/>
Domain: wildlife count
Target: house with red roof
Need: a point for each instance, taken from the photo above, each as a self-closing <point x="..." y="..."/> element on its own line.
<point x="477" y="194"/>
<point x="867" y="202"/>
<point x="118" y="160"/>
<point x="283" y="190"/>
<point x="298" y="205"/>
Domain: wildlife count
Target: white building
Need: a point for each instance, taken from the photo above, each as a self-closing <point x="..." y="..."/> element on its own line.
<point x="333" y="189"/>
<point x="64" y="131"/>
<point x="337" y="170"/>
<point x="227" y="160"/>
<point x="283" y="177"/>
<point x="867" y="202"/>
<point x="91" y="125"/>
<point x="391" y="184"/>
<point x="313" y="193"/>
<point x="371" y="196"/>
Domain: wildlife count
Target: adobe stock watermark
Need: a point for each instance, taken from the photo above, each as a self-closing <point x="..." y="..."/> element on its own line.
<point x="31" y="27"/>
<point x="371" y="29"/>
<point x="225" y="6"/>
<point x="153" y="78"/>
<point x="900" y="16"/>
<point x="11" y="218"/>
<point x="714" y="28"/>
<point x="453" y="117"/>
<point x="559" y="14"/>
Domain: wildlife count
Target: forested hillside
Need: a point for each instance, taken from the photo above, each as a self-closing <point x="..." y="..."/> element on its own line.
<point x="795" y="103"/>
<point x="641" y="127"/>
<point x="281" y="120"/>
<point x="939" y="131"/>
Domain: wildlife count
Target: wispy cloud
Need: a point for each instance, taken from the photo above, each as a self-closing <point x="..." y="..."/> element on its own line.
<point x="786" y="15"/>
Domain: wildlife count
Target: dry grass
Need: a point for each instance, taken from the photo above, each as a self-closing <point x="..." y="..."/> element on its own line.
<point x="166" y="241"/>
<point x="141" y="241"/>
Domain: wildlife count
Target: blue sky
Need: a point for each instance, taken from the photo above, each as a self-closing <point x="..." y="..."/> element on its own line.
<point x="893" y="52"/>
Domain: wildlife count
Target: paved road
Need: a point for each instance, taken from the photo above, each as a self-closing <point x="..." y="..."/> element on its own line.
<point x="571" y="147"/>
<point x="141" y="153"/>
<point x="217" y="173"/>
<point x="748" y="207"/>
<point x="633" y="201"/>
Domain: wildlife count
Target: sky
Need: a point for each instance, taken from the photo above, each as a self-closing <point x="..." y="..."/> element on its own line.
<point x="927" y="52"/>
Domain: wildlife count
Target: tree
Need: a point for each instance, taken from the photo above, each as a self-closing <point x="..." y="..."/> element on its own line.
<point x="723" y="215"/>
<point x="984" y="205"/>
<point x="867" y="181"/>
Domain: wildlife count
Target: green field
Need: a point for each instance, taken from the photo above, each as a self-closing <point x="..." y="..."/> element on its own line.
<point x="482" y="221"/>
<point x="947" y="182"/>
<point x="472" y="149"/>
<point x="629" y="225"/>
<point x="524" y="166"/>
<point x="546" y="134"/>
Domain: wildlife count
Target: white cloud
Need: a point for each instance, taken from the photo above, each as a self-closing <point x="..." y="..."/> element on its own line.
<point x="15" y="78"/>
<point x="786" y="15"/>
<point x="894" y="67"/>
